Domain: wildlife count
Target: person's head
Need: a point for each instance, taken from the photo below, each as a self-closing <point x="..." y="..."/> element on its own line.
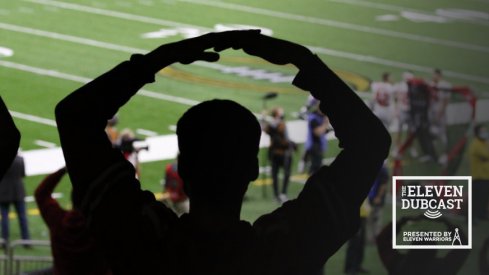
<point x="218" y="142"/>
<point x="113" y="121"/>
<point x="481" y="132"/>
<point x="277" y="113"/>
<point x="406" y="76"/>
<point x="386" y="77"/>
<point x="437" y="74"/>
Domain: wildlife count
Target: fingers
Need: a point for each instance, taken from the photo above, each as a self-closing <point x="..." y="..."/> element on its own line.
<point x="202" y="56"/>
<point x="234" y="39"/>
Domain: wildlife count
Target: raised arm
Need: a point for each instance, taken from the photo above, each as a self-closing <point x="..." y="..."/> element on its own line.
<point x="82" y="115"/>
<point x="51" y="211"/>
<point x="364" y="140"/>
<point x="9" y="139"/>
<point x="326" y="213"/>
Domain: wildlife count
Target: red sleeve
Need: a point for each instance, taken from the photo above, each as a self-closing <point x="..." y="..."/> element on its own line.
<point x="51" y="211"/>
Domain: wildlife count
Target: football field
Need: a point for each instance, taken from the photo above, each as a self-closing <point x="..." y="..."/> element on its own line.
<point x="49" y="48"/>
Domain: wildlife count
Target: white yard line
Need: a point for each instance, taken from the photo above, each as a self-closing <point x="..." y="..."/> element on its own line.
<point x="33" y="118"/>
<point x="390" y="7"/>
<point x="70" y="38"/>
<point x="111" y="13"/>
<point x="83" y="80"/>
<point x="320" y="50"/>
<point x="266" y="12"/>
<point x="145" y="132"/>
<point x="341" y="25"/>
<point x="45" y="144"/>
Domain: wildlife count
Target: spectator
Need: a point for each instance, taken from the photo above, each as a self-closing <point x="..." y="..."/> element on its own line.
<point x="73" y="248"/>
<point x="12" y="192"/>
<point x="218" y="142"/>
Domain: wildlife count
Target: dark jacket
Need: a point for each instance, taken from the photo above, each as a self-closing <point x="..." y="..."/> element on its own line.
<point x="12" y="185"/>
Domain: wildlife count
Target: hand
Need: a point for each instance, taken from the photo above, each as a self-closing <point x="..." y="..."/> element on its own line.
<point x="276" y="51"/>
<point x="194" y="49"/>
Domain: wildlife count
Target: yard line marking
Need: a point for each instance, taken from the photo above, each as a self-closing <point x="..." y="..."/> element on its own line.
<point x="321" y="50"/>
<point x="341" y="25"/>
<point x="31" y="199"/>
<point x="83" y="80"/>
<point x="277" y="14"/>
<point x="390" y="7"/>
<point x="145" y="132"/>
<point x="33" y="118"/>
<point x="69" y="38"/>
<point x="44" y="143"/>
<point x="111" y="13"/>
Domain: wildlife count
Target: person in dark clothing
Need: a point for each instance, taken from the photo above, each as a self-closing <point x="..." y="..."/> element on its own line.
<point x="218" y="143"/>
<point x="9" y="139"/>
<point x="419" y="94"/>
<point x="316" y="143"/>
<point x="72" y="246"/>
<point x="419" y="261"/>
<point x="279" y="153"/>
<point x="12" y="192"/>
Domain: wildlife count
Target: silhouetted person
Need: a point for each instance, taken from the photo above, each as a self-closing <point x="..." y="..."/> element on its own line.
<point x="12" y="192"/>
<point x="218" y="143"/>
<point x="419" y="261"/>
<point x="72" y="245"/>
<point x="9" y="139"/>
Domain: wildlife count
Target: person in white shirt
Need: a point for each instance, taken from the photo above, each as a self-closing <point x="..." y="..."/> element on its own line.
<point x="383" y="102"/>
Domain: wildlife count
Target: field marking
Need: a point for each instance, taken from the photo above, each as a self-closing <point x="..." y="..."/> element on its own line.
<point x="145" y="132"/>
<point x="111" y="13"/>
<point x="70" y="38"/>
<point x="266" y="12"/>
<point x="32" y="118"/>
<point x="321" y="50"/>
<point x="390" y="7"/>
<point x="341" y="25"/>
<point x="45" y="144"/>
<point x="83" y="80"/>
